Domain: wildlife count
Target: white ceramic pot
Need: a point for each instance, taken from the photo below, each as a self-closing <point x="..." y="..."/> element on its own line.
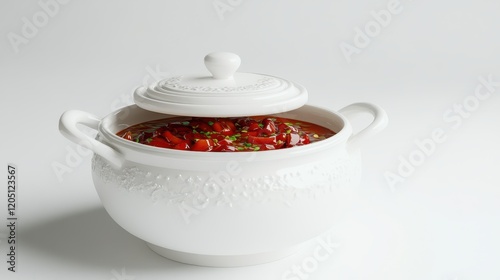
<point x="224" y="208"/>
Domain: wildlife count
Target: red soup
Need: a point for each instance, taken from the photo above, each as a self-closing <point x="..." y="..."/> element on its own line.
<point x="226" y="134"/>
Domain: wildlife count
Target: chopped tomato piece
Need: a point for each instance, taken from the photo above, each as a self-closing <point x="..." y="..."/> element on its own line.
<point x="159" y="142"/>
<point x="224" y="128"/>
<point x="281" y="137"/>
<point x="203" y="145"/>
<point x="217" y="126"/>
<point x="229" y="124"/>
<point x="224" y="145"/>
<point x="253" y="126"/>
<point x="172" y="138"/>
<point x="268" y="126"/>
<point x="182" y="146"/>
<point x="261" y="140"/>
<point x="287" y="128"/>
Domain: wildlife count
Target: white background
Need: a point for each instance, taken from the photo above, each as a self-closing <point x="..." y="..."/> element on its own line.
<point x="441" y="223"/>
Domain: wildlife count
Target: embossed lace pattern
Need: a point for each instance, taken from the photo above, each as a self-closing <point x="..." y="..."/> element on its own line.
<point x="176" y="83"/>
<point x="175" y="186"/>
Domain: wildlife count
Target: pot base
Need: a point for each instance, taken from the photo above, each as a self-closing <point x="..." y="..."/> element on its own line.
<point x="223" y="260"/>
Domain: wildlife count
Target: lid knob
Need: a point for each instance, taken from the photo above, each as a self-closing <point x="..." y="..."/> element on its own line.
<point x="222" y="65"/>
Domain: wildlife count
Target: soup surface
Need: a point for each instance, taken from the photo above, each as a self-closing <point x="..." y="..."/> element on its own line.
<point x="226" y="134"/>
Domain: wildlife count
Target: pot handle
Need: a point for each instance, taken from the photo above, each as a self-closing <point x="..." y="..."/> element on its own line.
<point x="68" y="127"/>
<point x="379" y="122"/>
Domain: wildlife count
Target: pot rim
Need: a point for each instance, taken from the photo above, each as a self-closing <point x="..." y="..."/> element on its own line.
<point x="117" y="151"/>
<point x="125" y="146"/>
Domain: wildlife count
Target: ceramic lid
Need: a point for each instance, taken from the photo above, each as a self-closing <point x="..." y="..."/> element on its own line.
<point x="226" y="93"/>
